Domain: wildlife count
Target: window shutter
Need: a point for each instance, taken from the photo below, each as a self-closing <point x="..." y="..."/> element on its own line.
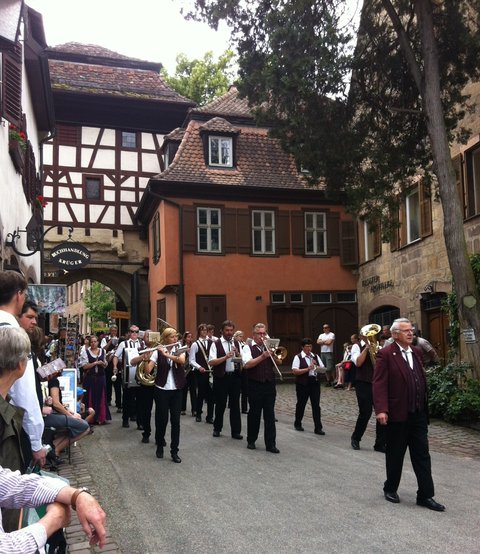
<point x="189" y="229"/>
<point x="425" y="211"/>
<point x="298" y="233"/>
<point x="229" y="227"/>
<point x="12" y="87"/>
<point x="348" y="244"/>
<point x="333" y="234"/>
<point x="283" y="233"/>
<point x="244" y="231"/>
<point x="394" y="240"/>
<point x="402" y="231"/>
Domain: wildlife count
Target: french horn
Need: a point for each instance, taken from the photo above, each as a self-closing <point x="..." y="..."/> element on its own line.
<point x="370" y="332"/>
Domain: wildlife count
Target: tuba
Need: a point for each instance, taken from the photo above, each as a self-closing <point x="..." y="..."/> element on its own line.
<point x="370" y="332"/>
<point x="141" y="376"/>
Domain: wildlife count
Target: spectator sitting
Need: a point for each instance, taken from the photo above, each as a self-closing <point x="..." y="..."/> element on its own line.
<point x="87" y="415"/>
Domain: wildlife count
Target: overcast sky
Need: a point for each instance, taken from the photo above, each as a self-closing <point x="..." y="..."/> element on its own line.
<point x="151" y="30"/>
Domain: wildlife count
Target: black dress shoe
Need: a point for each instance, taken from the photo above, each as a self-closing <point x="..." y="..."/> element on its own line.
<point x="216" y="433"/>
<point x="380" y="448"/>
<point x="119" y="410"/>
<point x="251" y="446"/>
<point x="237" y="436"/>
<point x="319" y="432"/>
<point x="133" y="419"/>
<point x="209" y="420"/>
<point x="273" y="450"/>
<point x="355" y="444"/>
<point x="392" y="497"/>
<point x="139" y="427"/>
<point x="299" y="428"/>
<point x="126" y="425"/>
<point x="145" y="440"/>
<point x="431" y="504"/>
<point x="159" y="453"/>
<point x="176" y="458"/>
<point x="198" y="418"/>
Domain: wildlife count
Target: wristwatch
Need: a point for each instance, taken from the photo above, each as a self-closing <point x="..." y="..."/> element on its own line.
<point x="73" y="501"/>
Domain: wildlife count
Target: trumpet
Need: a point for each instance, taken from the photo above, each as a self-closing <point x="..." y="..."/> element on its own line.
<point x="175" y="349"/>
<point x="276" y="352"/>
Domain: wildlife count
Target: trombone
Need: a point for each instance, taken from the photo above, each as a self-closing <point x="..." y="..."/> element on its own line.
<point x="273" y="349"/>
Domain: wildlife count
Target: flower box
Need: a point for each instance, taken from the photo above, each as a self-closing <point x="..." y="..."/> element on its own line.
<point x="17" y="154"/>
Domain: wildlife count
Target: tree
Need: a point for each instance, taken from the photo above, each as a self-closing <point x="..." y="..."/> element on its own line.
<point x="408" y="72"/>
<point x="99" y="300"/>
<point x="203" y="79"/>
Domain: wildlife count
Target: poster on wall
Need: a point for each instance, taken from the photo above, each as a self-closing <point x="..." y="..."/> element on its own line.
<point x="50" y="299"/>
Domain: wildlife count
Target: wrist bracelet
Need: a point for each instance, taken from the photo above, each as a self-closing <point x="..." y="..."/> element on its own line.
<point x="73" y="501"/>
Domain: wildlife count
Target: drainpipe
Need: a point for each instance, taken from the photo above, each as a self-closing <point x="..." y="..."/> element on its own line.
<point x="181" y="284"/>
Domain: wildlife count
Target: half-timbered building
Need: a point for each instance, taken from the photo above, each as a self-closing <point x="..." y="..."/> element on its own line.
<point x="236" y="232"/>
<point x="112" y="113"/>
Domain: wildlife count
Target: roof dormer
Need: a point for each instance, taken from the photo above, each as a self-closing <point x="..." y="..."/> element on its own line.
<point x="219" y="139"/>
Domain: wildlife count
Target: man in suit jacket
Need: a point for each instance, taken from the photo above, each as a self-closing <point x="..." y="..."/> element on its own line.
<point x="400" y="400"/>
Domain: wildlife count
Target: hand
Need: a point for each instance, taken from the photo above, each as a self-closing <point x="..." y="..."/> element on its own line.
<point x="201" y="369"/>
<point x="40" y="457"/>
<point x="76" y="415"/>
<point x="92" y="519"/>
<point x="47" y="410"/>
<point x="382" y="418"/>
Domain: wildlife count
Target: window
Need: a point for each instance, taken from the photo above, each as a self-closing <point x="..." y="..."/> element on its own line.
<point x="263" y="232"/>
<point x="413" y="216"/>
<point x="346" y="297"/>
<point x="371" y="242"/>
<point x="156" y="238"/>
<point x="296" y="297"/>
<point x="472" y="159"/>
<point x="208" y="230"/>
<point x="278" y="298"/>
<point x="315" y="233"/>
<point x="129" y="139"/>
<point x="93" y="188"/>
<point x="321" y="298"/>
<point x="220" y="151"/>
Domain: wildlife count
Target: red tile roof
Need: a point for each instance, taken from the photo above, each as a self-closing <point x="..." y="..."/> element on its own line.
<point x="228" y="105"/>
<point x="93" y="70"/>
<point x="261" y="162"/>
<point x="219" y="125"/>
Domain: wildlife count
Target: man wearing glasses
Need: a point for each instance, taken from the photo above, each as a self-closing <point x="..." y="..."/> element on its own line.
<point x="129" y="393"/>
<point x="400" y="399"/>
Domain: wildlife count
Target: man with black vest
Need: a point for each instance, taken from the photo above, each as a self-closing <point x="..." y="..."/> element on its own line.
<point x="261" y="390"/>
<point x="129" y="408"/>
<point x="226" y="380"/>
<point x="198" y="359"/>
<point x="362" y="358"/>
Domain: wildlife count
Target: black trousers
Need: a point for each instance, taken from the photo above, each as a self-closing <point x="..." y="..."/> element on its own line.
<point x="108" y="382"/>
<point x="310" y="391"/>
<point x="167" y="402"/>
<point x="205" y="393"/>
<point x="262" y="398"/>
<point x="117" y="385"/>
<point x="227" y="388"/>
<point x="129" y="406"/>
<point x="363" y="390"/>
<point x="145" y="405"/>
<point x="413" y="434"/>
<point x="190" y="387"/>
<point x="244" y="389"/>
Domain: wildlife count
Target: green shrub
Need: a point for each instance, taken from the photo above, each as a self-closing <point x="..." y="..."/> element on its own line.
<point x="453" y="395"/>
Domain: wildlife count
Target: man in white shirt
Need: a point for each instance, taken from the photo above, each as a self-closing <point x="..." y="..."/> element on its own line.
<point x="13" y="289"/>
<point x="326" y="341"/>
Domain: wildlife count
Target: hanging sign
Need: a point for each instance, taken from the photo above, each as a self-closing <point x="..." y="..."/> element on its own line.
<point x="70" y="255"/>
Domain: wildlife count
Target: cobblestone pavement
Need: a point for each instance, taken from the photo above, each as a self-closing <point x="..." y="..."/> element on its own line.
<point x="339" y="410"/>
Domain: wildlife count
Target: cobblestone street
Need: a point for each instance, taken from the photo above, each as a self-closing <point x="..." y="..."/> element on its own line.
<point x="339" y="412"/>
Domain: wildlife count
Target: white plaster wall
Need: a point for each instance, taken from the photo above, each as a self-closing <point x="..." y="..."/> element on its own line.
<point x="129" y="161"/>
<point x="127" y="196"/>
<point x="86" y="156"/>
<point x="48" y="154"/>
<point x="67" y="156"/>
<point x="109" y="195"/>
<point x="125" y="218"/>
<point x="147" y="141"/>
<point x="89" y="135"/>
<point x="108" y="138"/>
<point x="104" y="158"/>
<point x="150" y="163"/>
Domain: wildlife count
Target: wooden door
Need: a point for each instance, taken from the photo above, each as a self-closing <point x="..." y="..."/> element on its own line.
<point x="438" y="332"/>
<point x="287" y="325"/>
<point x="212" y="309"/>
